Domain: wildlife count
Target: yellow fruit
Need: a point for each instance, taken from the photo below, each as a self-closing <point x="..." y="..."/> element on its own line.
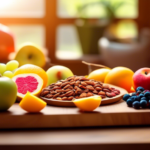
<point x="30" y="54"/>
<point x="31" y="103"/>
<point x="29" y="68"/>
<point x="99" y="74"/>
<point x="88" y="103"/>
<point x="120" y="76"/>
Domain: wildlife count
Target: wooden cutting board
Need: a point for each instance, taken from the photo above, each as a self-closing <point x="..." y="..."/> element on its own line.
<point x="115" y="114"/>
<point x="104" y="101"/>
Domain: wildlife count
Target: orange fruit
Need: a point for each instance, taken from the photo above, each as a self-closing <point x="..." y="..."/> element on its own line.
<point x="132" y="89"/>
<point x="88" y="103"/>
<point x="99" y="74"/>
<point x="29" y="68"/>
<point x="120" y="76"/>
<point x="31" y="103"/>
<point x="28" y="82"/>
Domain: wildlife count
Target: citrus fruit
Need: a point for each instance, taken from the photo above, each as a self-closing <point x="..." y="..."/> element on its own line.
<point x="99" y="74"/>
<point x="28" y="82"/>
<point x="88" y="103"/>
<point x="120" y="76"/>
<point x="29" y="68"/>
<point x="31" y="103"/>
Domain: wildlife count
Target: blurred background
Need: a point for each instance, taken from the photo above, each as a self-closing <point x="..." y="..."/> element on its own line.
<point x="108" y="32"/>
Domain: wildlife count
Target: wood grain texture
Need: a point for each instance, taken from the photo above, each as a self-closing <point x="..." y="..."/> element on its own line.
<point x="105" y="101"/>
<point x="56" y="117"/>
<point x="76" y="139"/>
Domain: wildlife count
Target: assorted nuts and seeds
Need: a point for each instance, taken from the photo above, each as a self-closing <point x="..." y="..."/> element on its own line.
<point x="76" y="87"/>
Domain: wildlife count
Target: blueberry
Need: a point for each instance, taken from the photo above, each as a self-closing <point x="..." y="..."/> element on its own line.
<point x="143" y="98"/>
<point x="141" y="95"/>
<point x="126" y="96"/>
<point x="133" y="94"/>
<point x="134" y="98"/>
<point x="143" y="103"/>
<point x="138" y="98"/>
<point x="146" y="94"/>
<point x="136" y="105"/>
<point x="129" y="102"/>
<point x="140" y="89"/>
<point x="148" y="104"/>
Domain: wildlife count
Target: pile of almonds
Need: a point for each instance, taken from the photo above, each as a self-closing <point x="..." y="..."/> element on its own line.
<point x="76" y="87"/>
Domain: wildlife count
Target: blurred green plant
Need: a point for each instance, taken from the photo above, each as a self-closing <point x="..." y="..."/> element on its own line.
<point x="111" y="7"/>
<point x="100" y="8"/>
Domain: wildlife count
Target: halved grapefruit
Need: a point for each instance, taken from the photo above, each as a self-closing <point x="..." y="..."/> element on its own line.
<point x="28" y="82"/>
<point x="29" y="68"/>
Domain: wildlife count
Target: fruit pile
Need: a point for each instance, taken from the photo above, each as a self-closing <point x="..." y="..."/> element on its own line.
<point x="119" y="76"/>
<point x="139" y="99"/>
<point x="29" y="81"/>
<point x="8" y="69"/>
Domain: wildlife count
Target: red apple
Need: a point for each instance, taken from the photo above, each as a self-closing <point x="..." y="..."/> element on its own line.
<point x="142" y="78"/>
<point x="6" y="42"/>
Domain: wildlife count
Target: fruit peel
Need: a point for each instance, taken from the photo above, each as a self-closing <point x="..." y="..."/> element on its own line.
<point x="31" y="103"/>
<point x="120" y="76"/>
<point x="29" y="68"/>
<point x="88" y="103"/>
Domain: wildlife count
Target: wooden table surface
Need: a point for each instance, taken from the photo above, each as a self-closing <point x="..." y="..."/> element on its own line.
<point x="115" y="127"/>
<point x="77" y="138"/>
<point x="116" y="114"/>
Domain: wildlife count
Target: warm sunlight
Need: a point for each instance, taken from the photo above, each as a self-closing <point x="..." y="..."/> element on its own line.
<point x="5" y="3"/>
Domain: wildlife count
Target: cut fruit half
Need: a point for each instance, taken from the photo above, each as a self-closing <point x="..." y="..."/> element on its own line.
<point x="88" y="103"/>
<point x="28" y="82"/>
<point x="31" y="103"/>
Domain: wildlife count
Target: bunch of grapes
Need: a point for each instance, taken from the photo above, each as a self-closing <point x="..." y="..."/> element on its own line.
<point x="9" y="68"/>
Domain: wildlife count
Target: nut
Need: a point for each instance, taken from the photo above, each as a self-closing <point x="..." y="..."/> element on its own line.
<point x="89" y="94"/>
<point x="98" y="88"/>
<point x="58" y="98"/>
<point x="83" y="95"/>
<point x="101" y="93"/>
<point x="44" y="92"/>
<point x="49" y="96"/>
<point x="90" y="87"/>
<point x="78" y="87"/>
<point x="84" y="83"/>
<point x="106" y="90"/>
<point x="64" y="98"/>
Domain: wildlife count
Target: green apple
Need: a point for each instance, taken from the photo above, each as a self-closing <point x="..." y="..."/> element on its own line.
<point x="8" y="93"/>
<point x="56" y="73"/>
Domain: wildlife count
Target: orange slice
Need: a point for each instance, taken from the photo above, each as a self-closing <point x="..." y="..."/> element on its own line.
<point x="88" y="103"/>
<point x="31" y="103"/>
<point x="29" y="68"/>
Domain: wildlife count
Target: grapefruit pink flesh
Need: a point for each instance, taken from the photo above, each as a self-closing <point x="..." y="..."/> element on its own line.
<point x="28" y="83"/>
